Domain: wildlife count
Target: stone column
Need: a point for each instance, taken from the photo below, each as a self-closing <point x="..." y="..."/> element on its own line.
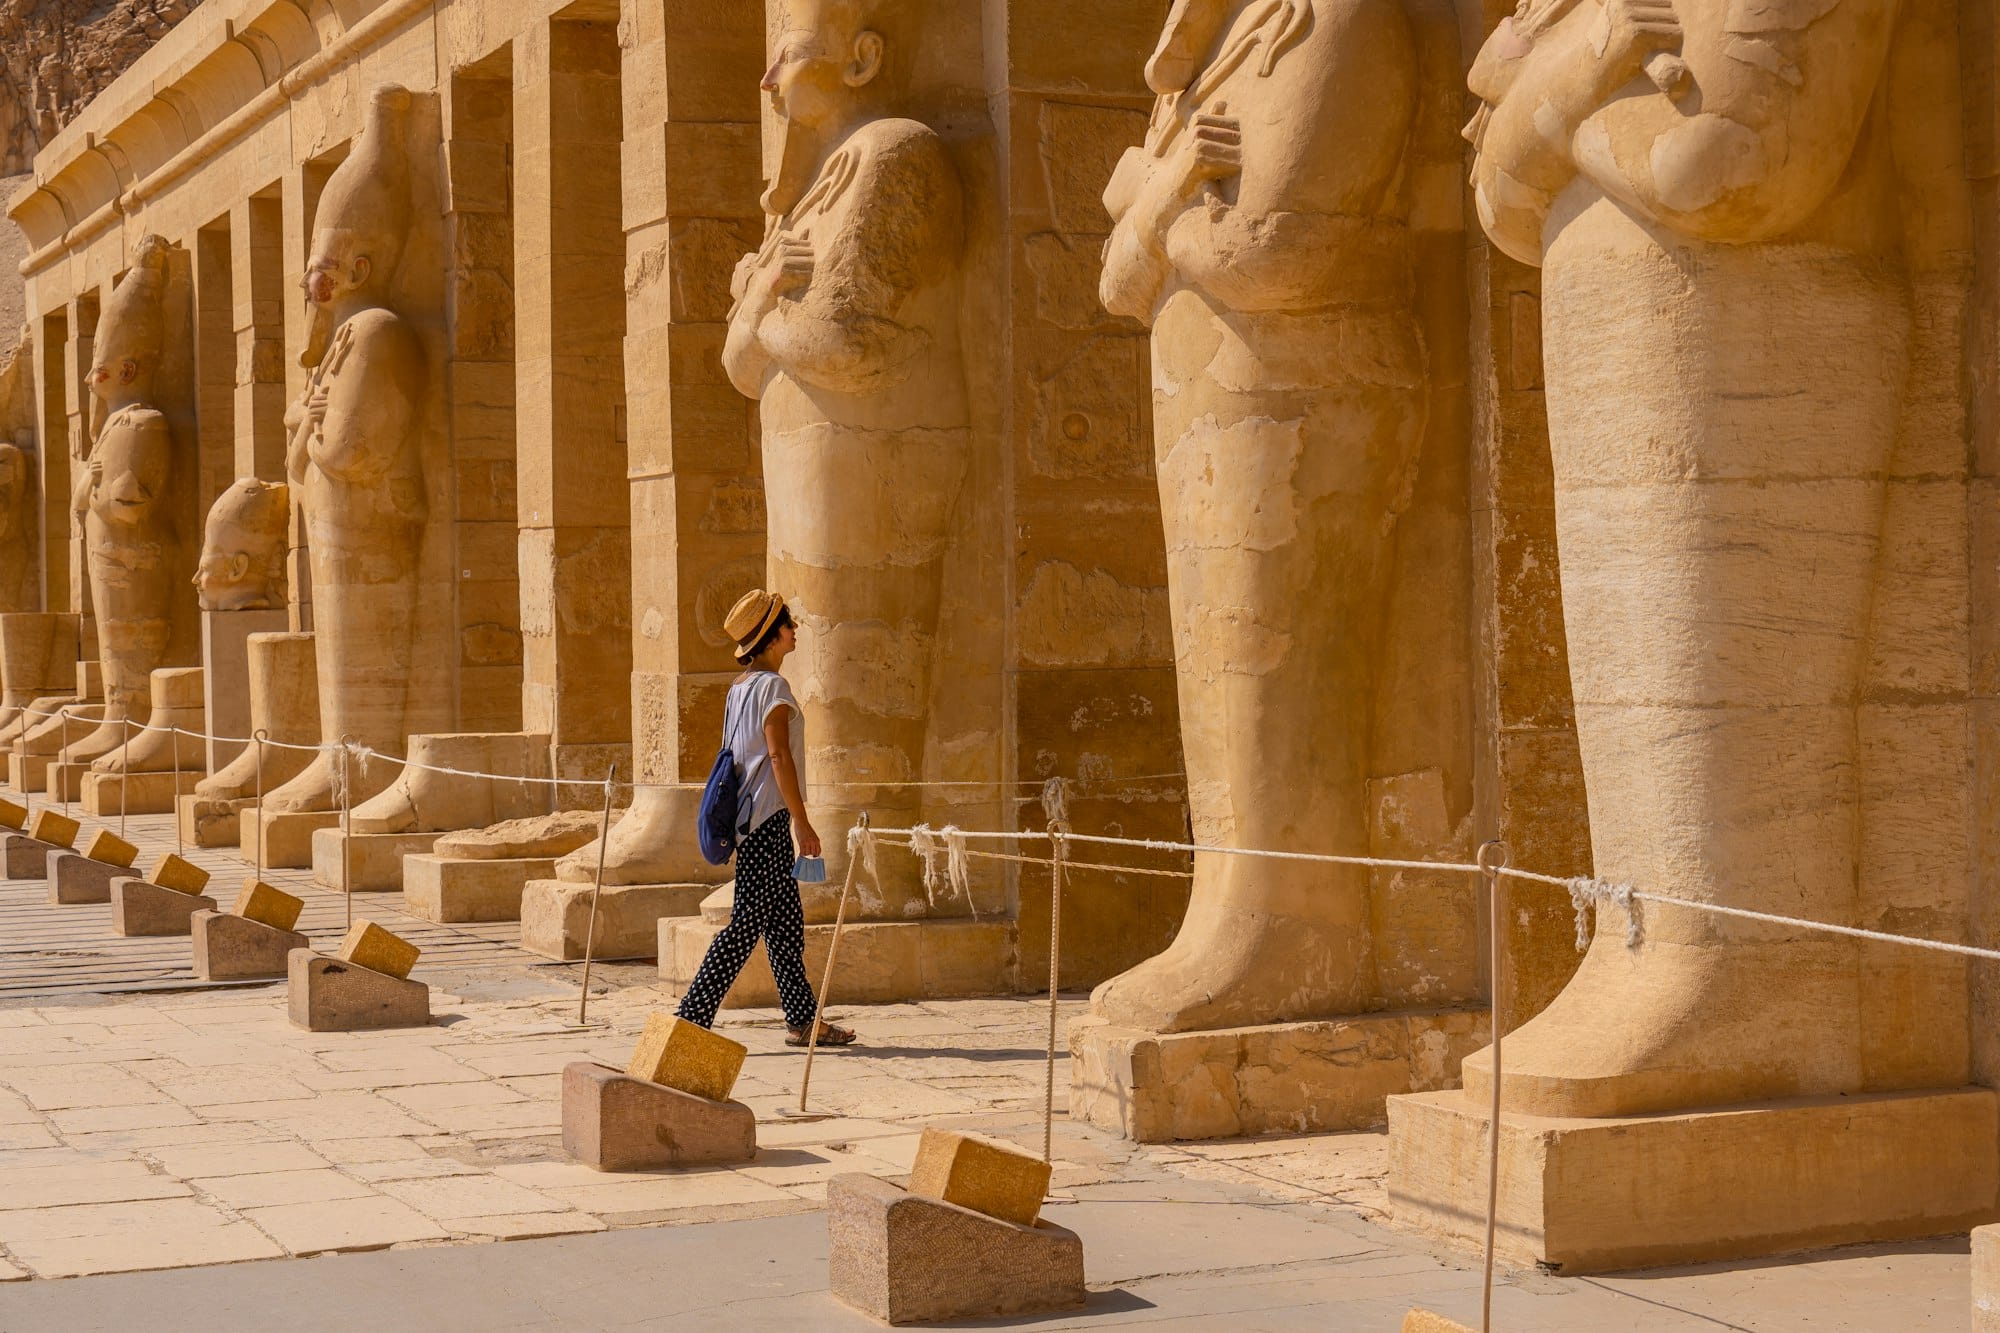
<point x="51" y="334"/>
<point x="257" y="275"/>
<point x="569" y="294"/>
<point x="215" y="360"/>
<point x="78" y="431"/>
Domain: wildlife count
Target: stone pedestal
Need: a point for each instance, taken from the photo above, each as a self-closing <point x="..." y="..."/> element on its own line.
<point x="225" y="658"/>
<point x="235" y="948"/>
<point x="107" y="795"/>
<point x="375" y="860"/>
<point x="442" y="888"/>
<point x="1285" y="1078"/>
<point x="287" y="835"/>
<point x="76" y="879"/>
<point x="64" y="782"/>
<point x="29" y="772"/>
<point x="28" y="858"/>
<point x="555" y="914"/>
<point x="880" y="962"/>
<point x="139" y="908"/>
<point x="614" y="1122"/>
<point x="329" y="995"/>
<point x="906" y="1259"/>
<point x="1592" y="1195"/>
<point x="208" y="821"/>
<point x="1986" y="1280"/>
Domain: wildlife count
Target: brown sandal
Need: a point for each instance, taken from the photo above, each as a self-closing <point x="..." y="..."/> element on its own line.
<point x="830" y="1034"/>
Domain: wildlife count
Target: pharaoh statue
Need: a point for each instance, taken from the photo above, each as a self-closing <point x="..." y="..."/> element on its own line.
<point x="845" y="330"/>
<point x="353" y="458"/>
<point x="123" y="497"/>
<point x="242" y="566"/>
<point x="1709" y="192"/>
<point x="1260" y="232"/>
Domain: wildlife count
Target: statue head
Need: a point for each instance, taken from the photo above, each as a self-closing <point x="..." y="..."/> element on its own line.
<point x="832" y="63"/>
<point x="125" y="351"/>
<point x="363" y="216"/>
<point x="242" y="564"/>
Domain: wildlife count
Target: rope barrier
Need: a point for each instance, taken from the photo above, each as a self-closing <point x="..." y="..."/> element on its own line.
<point x="1056" y="831"/>
<point x="596" y="892"/>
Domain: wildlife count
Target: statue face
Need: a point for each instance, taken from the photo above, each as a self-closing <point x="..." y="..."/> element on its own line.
<point x="821" y="60"/>
<point x="333" y="269"/>
<point x="224" y="571"/>
<point x="109" y="375"/>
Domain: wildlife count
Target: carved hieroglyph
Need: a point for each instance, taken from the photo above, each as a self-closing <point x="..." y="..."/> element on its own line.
<point x="1709" y="191"/>
<point x="130" y="538"/>
<point x="1258" y="231"/>
<point x="845" y="329"/>
<point x="353" y="457"/>
<point x="242" y="566"/>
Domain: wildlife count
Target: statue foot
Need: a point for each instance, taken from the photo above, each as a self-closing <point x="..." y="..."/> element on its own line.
<point x="314" y="790"/>
<point x="154" y="752"/>
<point x="86" y="747"/>
<point x="653" y="844"/>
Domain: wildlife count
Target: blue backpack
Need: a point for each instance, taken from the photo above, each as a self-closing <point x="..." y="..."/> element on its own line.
<point x="715" y="825"/>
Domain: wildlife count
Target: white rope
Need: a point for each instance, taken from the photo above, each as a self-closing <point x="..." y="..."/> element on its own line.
<point x="861" y="843"/>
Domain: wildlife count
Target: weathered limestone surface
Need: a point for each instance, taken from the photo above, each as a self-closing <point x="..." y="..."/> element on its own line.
<point x="228" y="947"/>
<point x="631" y="918"/>
<point x="1283" y="1078"/>
<point x="424" y="799"/>
<point x="172" y="736"/>
<point x="363" y="862"/>
<point x="615" y="1122"/>
<point x="228" y="695"/>
<point x="283" y="684"/>
<point x="333" y="995"/>
<point x="985" y="1175"/>
<point x="907" y="1259"/>
<point x="282" y="838"/>
<point x="379" y="950"/>
<point x="75" y="878"/>
<point x="28" y="857"/>
<point x="880" y="962"/>
<point x="38" y="654"/>
<point x="142" y="908"/>
<point x="267" y="905"/>
<point x="1985" y="1279"/>
<point x="440" y="888"/>
<point x="678" y="1054"/>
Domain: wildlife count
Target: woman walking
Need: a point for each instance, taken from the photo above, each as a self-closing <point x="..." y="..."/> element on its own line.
<point x="763" y="725"/>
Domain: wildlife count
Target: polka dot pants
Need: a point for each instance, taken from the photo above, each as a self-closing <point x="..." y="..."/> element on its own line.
<point x="767" y="904"/>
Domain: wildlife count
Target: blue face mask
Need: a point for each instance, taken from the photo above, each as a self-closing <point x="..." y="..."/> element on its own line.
<point x="809" y="870"/>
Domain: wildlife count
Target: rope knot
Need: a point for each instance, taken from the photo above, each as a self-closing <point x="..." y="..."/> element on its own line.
<point x="1586" y="893"/>
<point x="861" y="844"/>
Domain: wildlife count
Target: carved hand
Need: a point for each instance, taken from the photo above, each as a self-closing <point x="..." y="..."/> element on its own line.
<point x="1212" y="151"/>
<point x="794" y="269"/>
<point x="1627" y="32"/>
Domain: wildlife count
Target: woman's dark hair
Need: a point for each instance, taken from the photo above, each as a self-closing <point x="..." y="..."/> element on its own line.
<point x="771" y="635"/>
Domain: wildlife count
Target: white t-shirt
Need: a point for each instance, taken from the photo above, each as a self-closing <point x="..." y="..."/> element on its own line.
<point x="748" y="707"/>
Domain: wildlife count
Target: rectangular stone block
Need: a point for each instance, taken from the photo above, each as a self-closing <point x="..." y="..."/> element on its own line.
<point x="108" y="795"/>
<point x="228" y="947"/>
<point x="369" y="945"/>
<point x="211" y="823"/>
<point x="880" y="962"/>
<point x="615" y="1122"/>
<point x="64" y="782"/>
<point x="678" y="1054"/>
<point x="171" y="871"/>
<point x="286" y="835"/>
<point x="13" y="814"/>
<point x="262" y="903"/>
<point x="442" y="888"/>
<point x="140" y="908"/>
<point x="332" y="995"/>
<point x="57" y="830"/>
<point x="28" y="858"/>
<point x="75" y="878"/>
<point x="374" y="860"/>
<point x="1589" y="1196"/>
<point x="904" y="1258"/>
<point x="1283" y="1078"/>
<point x="108" y="847"/>
<point x="987" y="1176"/>
<point x="1986" y="1280"/>
<point x="555" y="916"/>
<point x="28" y="773"/>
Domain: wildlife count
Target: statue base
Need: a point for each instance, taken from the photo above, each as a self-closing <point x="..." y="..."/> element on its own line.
<point x="28" y="773"/>
<point x="28" y="858"/>
<point x="140" y="908"/>
<point x="108" y="795"/>
<point x="225" y="680"/>
<point x="208" y="822"/>
<point x="235" y="948"/>
<point x="1282" y="1078"/>
<point x="880" y="962"/>
<point x="1986" y="1280"/>
<point x="331" y="995"/>
<point x="1686" y="1187"/>
<point x="614" y="1122"/>
<point x="286" y="835"/>
<point x="374" y="860"/>
<point x="443" y="888"/>
<point x="904" y="1258"/>
<point x="75" y="879"/>
<point x="555" y="915"/>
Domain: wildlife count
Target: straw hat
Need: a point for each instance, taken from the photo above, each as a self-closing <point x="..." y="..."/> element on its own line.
<point x="751" y="619"/>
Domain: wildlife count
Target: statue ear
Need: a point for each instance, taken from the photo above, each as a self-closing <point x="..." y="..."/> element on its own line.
<point x="239" y="565"/>
<point x="868" y="50"/>
<point x="363" y="266"/>
<point x="128" y="370"/>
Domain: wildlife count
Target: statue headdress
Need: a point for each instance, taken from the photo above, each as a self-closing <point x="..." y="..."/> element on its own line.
<point x="366" y="201"/>
<point x="132" y="322"/>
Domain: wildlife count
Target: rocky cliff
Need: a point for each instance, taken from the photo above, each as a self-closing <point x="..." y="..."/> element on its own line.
<point x="55" y="55"/>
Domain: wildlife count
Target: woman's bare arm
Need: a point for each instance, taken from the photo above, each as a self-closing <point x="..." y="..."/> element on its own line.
<point x="778" y="740"/>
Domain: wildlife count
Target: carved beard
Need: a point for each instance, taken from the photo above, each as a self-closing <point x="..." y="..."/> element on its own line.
<point x="319" y="332"/>
<point x="1191" y="32"/>
<point x="799" y="151"/>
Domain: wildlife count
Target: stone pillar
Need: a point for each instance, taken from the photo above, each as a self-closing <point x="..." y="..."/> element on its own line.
<point x="690" y="183"/>
<point x="78" y="432"/>
<point x="51" y="335"/>
<point x="215" y="360"/>
<point x="574" y="504"/>
<point x="257" y="274"/>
